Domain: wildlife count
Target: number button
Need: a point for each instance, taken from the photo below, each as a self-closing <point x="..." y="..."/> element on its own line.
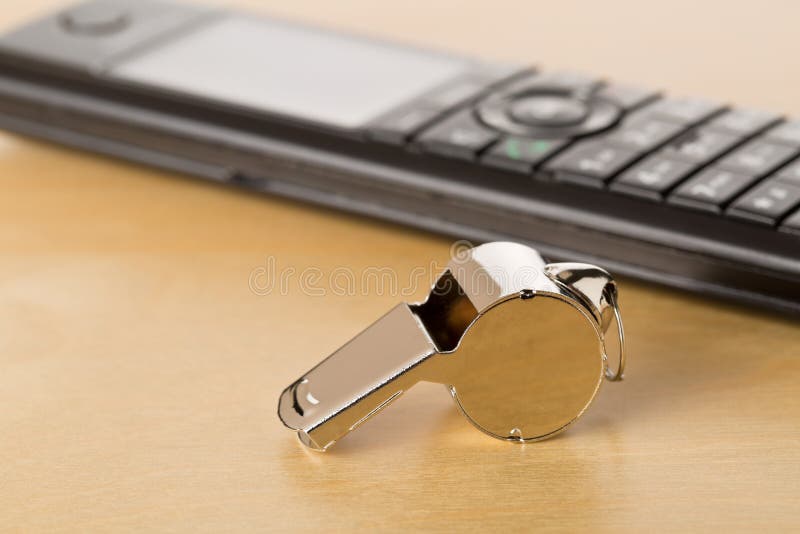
<point x="645" y="134"/>
<point x="787" y="133"/>
<point x="744" y="122"/>
<point x="652" y="177"/>
<point x="591" y="163"/>
<point x="702" y="145"/>
<point x="711" y="189"/>
<point x="792" y="223"/>
<point x="757" y="158"/>
<point x="790" y="174"/>
<point x="683" y="110"/>
<point x="766" y="203"/>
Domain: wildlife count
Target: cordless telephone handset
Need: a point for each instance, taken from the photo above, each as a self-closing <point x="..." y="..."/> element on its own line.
<point x="683" y="191"/>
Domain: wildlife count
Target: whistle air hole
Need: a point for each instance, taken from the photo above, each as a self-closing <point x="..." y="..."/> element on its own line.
<point x="526" y="294"/>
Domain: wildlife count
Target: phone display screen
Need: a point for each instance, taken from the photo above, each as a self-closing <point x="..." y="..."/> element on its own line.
<point x="305" y="73"/>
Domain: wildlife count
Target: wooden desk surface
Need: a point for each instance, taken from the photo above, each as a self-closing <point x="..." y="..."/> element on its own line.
<point x="139" y="374"/>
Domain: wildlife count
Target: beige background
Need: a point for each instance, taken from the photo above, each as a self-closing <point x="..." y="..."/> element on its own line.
<point x="139" y="374"/>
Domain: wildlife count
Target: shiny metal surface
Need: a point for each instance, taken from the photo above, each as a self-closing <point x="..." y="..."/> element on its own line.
<point x="357" y="380"/>
<point x="599" y="292"/>
<point x="520" y="345"/>
<point x="526" y="384"/>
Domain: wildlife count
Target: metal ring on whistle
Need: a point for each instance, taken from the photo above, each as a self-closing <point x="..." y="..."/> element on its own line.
<point x="619" y="374"/>
<point x="520" y="345"/>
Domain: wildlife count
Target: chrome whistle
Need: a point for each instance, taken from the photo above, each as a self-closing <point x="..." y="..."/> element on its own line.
<point x="521" y="346"/>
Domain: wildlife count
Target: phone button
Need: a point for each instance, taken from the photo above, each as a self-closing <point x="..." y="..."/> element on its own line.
<point x="459" y="136"/>
<point x="792" y="223"/>
<point x="397" y="126"/>
<point x="591" y="163"/>
<point x="95" y="20"/>
<point x="683" y="110"/>
<point x="521" y="154"/>
<point x="711" y="189"/>
<point x="548" y="110"/>
<point x="547" y="114"/>
<point x="628" y="97"/>
<point x="558" y="81"/>
<point x="766" y="203"/>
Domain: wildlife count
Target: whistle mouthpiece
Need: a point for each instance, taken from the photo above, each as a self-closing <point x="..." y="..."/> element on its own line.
<point x="358" y="380"/>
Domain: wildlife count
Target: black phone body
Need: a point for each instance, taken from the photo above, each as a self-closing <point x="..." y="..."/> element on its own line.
<point x="331" y="119"/>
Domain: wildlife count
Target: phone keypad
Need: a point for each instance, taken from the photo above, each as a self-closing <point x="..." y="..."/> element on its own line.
<point x="690" y="153"/>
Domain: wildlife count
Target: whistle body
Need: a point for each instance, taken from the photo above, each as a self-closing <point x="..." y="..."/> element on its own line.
<point x="490" y="330"/>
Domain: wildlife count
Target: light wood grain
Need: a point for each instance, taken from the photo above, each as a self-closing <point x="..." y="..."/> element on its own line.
<point x="139" y="374"/>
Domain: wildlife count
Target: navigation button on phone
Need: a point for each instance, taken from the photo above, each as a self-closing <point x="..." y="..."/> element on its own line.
<point x="548" y="110"/>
